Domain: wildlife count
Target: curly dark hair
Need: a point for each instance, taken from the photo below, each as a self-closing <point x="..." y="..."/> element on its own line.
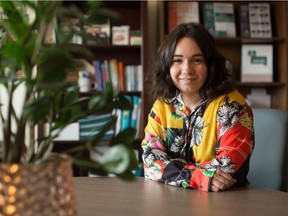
<point x="219" y="75"/>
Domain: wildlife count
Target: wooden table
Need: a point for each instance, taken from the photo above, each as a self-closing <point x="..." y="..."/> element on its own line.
<point x="105" y="196"/>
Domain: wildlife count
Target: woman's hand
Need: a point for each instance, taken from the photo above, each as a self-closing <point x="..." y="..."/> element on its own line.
<point x="221" y="181"/>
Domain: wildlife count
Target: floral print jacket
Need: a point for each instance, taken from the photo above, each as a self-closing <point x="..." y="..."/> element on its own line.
<point x="185" y="149"/>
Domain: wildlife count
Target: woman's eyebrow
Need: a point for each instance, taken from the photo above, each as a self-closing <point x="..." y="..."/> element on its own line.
<point x="195" y="55"/>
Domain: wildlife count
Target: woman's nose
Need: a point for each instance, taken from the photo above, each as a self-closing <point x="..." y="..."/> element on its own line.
<point x="186" y="67"/>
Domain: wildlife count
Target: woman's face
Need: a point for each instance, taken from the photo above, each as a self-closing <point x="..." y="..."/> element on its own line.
<point x="188" y="69"/>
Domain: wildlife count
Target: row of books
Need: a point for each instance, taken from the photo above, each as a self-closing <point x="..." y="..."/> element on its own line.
<point x="91" y="125"/>
<point x="222" y="19"/>
<point x="100" y="33"/>
<point x="126" y="78"/>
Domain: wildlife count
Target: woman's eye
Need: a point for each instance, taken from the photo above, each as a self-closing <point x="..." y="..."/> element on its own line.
<point x="177" y="60"/>
<point x="198" y="61"/>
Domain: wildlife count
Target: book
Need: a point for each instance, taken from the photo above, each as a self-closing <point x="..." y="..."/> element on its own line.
<point x="98" y="75"/>
<point x="139" y="78"/>
<point x="91" y="125"/>
<point x="105" y="72"/>
<point x="224" y="19"/>
<point x="128" y="73"/>
<point x="121" y="75"/>
<point x="114" y="75"/>
<point x="208" y="17"/>
<point x="182" y="12"/>
<point x="219" y="18"/>
<point x="244" y="24"/>
<point x="257" y="63"/>
<point x="126" y="116"/>
<point x="120" y="35"/>
<point x="260" y="20"/>
<point x="135" y="111"/>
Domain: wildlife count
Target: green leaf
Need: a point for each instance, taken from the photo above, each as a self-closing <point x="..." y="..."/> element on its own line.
<point x="121" y="102"/>
<point x="37" y="109"/>
<point x="54" y="65"/>
<point x="102" y="102"/>
<point x="99" y="136"/>
<point x="125" y="137"/>
<point x="13" y="51"/>
<point x="116" y="159"/>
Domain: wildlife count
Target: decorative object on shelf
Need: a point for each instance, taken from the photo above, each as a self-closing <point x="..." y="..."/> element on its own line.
<point x="120" y="35"/>
<point x="84" y="81"/>
<point x="34" y="90"/>
<point x="135" y="37"/>
<point x="257" y="63"/>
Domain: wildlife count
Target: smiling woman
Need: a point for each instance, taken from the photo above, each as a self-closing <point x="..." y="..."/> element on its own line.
<point x="200" y="129"/>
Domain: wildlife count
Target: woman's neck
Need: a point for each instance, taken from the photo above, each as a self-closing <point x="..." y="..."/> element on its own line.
<point x="191" y="101"/>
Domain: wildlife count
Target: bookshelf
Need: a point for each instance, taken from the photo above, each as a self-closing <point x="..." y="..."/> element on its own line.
<point x="133" y="14"/>
<point x="230" y="47"/>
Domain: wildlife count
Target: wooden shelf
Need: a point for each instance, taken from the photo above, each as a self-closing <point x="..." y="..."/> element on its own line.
<point x="241" y="40"/>
<point x="260" y="84"/>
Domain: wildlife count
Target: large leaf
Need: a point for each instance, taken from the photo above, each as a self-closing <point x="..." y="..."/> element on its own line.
<point x="116" y="159"/>
<point x="12" y="50"/>
<point x="54" y="65"/>
<point x="125" y="137"/>
<point x="38" y="109"/>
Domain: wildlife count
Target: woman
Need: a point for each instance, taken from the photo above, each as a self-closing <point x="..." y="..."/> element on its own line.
<point x="200" y="129"/>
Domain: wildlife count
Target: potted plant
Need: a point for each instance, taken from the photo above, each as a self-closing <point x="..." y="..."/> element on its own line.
<point x="34" y="78"/>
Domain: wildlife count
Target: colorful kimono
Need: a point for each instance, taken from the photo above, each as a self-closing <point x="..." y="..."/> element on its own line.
<point x="185" y="149"/>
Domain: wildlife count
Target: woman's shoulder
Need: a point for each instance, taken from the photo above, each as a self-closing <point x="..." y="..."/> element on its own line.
<point x="159" y="104"/>
<point x="232" y="96"/>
